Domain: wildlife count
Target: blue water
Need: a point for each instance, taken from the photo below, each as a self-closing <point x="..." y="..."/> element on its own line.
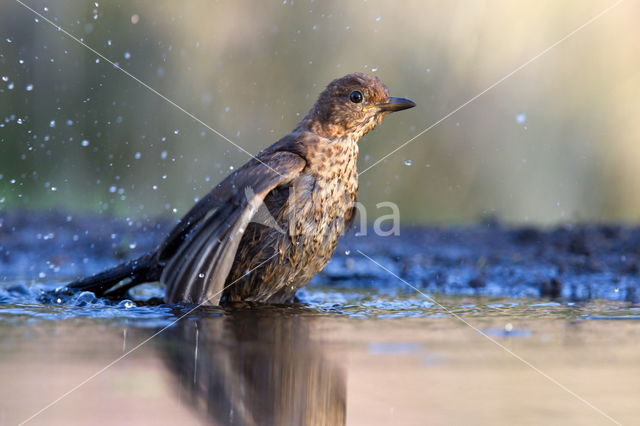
<point x="51" y="302"/>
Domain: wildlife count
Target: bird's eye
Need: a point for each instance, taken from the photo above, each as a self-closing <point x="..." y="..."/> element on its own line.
<point x="356" y="97"/>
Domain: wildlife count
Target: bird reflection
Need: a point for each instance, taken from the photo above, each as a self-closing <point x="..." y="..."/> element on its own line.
<point x="259" y="366"/>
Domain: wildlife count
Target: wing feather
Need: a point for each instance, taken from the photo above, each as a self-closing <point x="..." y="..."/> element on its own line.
<point x="201" y="249"/>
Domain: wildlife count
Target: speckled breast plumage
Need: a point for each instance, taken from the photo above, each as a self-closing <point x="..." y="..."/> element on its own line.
<point x="312" y="213"/>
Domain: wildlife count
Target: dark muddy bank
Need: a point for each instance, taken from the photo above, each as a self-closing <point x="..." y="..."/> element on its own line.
<point x="571" y="262"/>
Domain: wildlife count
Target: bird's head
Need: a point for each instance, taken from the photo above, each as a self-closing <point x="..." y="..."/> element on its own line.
<point x="351" y="106"/>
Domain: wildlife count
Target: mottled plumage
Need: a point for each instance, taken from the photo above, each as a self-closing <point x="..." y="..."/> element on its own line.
<point x="224" y="250"/>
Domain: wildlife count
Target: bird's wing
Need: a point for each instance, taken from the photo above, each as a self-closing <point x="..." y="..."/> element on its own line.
<point x="201" y="249"/>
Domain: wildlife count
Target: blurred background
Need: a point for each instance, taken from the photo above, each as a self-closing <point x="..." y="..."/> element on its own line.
<point x="556" y="142"/>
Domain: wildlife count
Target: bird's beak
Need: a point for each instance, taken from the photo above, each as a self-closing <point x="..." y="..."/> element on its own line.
<point x="396" y="104"/>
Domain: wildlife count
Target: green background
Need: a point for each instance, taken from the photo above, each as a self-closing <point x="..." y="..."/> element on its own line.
<point x="557" y="141"/>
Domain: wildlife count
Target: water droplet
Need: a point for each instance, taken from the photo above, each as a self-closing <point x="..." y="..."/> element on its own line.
<point x="200" y="275"/>
<point x="127" y="55"/>
<point x="52" y="123"/>
<point x="379" y="18"/>
<point x="84" y="143"/>
<point x="521" y="118"/>
<point x="508" y="327"/>
<point x="135" y="18"/>
<point x="408" y="162"/>
<point x="347" y="252"/>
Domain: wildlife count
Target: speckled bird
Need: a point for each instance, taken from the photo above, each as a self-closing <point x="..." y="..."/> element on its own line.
<point x="270" y="226"/>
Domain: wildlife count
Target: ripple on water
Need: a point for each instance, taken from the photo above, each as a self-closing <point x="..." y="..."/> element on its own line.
<point x="44" y="302"/>
<point x="19" y="302"/>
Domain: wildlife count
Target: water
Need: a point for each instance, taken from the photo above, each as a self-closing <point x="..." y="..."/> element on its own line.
<point x="364" y="356"/>
<point x="361" y="346"/>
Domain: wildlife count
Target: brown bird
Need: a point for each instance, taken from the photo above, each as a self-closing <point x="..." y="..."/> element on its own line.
<point x="270" y="226"/>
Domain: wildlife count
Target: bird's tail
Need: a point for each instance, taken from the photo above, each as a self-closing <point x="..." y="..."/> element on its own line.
<point x="141" y="270"/>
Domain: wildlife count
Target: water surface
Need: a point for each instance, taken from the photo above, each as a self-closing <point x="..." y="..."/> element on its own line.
<point x="354" y="356"/>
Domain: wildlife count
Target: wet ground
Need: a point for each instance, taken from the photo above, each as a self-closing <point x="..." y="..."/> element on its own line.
<point x="362" y="347"/>
<point x="575" y="263"/>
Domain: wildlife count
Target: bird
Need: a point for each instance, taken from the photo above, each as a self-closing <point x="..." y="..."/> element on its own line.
<point x="266" y="229"/>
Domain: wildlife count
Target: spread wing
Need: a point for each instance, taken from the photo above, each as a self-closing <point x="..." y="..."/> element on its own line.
<point x="199" y="252"/>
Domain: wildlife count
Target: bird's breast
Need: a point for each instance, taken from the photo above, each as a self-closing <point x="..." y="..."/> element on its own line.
<point x="327" y="193"/>
<point x="314" y="211"/>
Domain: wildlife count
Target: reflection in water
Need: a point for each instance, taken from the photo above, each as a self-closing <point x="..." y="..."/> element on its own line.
<point x="254" y="367"/>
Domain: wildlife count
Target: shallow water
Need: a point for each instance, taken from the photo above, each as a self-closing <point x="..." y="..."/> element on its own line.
<point x="343" y="355"/>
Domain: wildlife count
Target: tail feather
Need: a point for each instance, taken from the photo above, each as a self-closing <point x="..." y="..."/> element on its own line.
<point x="143" y="269"/>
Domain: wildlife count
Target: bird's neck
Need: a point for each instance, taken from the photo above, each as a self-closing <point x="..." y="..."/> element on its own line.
<point x="333" y="160"/>
<point x="336" y="130"/>
<point x="324" y="129"/>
